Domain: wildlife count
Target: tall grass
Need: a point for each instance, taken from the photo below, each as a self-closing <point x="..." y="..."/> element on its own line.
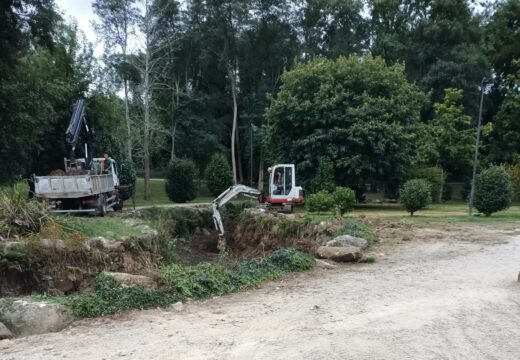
<point x="20" y="215"/>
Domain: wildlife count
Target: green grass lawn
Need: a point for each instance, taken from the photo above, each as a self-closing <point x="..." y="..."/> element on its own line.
<point x="108" y="227"/>
<point x="448" y="213"/>
<point x="159" y="196"/>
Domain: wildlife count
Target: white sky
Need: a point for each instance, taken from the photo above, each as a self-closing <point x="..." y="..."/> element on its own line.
<point x="81" y="11"/>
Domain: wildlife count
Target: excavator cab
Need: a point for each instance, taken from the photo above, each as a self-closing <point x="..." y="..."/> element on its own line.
<point x="283" y="191"/>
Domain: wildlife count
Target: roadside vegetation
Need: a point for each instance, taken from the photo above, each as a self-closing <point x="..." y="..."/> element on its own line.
<point x="180" y="282"/>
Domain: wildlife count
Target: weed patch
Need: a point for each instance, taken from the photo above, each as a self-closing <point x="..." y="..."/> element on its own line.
<point x="180" y="282"/>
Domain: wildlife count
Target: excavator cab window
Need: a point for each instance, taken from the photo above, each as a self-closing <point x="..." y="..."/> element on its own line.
<point x="288" y="181"/>
<point x="278" y="181"/>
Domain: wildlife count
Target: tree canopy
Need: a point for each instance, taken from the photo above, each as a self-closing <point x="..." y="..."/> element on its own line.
<point x="379" y="87"/>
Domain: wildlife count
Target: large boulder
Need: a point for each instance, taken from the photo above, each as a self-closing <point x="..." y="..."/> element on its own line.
<point x="340" y="253"/>
<point x="132" y="280"/>
<point x="5" y="333"/>
<point x="25" y="318"/>
<point x="348" y="240"/>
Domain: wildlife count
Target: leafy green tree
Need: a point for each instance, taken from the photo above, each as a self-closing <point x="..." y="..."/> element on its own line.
<point x="344" y="199"/>
<point x="415" y="195"/>
<point x="502" y="39"/>
<point x="445" y="51"/>
<point x="180" y="180"/>
<point x="393" y="23"/>
<point x="219" y="175"/>
<point x="324" y="178"/>
<point x="334" y="27"/>
<point x="358" y="112"/>
<point x="505" y="136"/>
<point x="117" y="21"/>
<point x="493" y="191"/>
<point x="127" y="179"/>
<point x="453" y="134"/>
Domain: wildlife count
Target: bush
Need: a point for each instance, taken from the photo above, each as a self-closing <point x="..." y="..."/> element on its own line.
<point x="357" y="228"/>
<point x="20" y="215"/>
<point x="219" y="175"/>
<point x="415" y="195"/>
<point x="493" y="191"/>
<point x="127" y="179"/>
<point x="514" y="174"/>
<point x="435" y="177"/>
<point x="344" y="199"/>
<point x="324" y="178"/>
<point x="321" y="201"/>
<point x="180" y="180"/>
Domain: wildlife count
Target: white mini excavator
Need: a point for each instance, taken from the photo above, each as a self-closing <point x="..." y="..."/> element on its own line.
<point x="283" y="194"/>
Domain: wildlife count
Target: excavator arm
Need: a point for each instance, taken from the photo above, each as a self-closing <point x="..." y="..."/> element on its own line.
<point x="224" y="198"/>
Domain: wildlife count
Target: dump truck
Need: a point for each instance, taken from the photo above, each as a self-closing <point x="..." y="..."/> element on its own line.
<point x="85" y="185"/>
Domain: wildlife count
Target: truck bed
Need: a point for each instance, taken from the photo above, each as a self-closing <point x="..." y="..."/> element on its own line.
<point x="73" y="186"/>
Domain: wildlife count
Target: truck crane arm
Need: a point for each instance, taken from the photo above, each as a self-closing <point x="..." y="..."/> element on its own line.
<point x="78" y="128"/>
<point x="225" y="197"/>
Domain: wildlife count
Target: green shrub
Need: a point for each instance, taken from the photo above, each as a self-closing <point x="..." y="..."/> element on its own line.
<point x="197" y="281"/>
<point x="493" y="191"/>
<point x="514" y="175"/>
<point x="110" y="296"/>
<point x="435" y="177"/>
<point x="344" y="199"/>
<point x="180" y="180"/>
<point x="324" y="178"/>
<point x="415" y="195"/>
<point x="219" y="175"/>
<point x="357" y="228"/>
<point x="127" y="178"/>
<point x="320" y="201"/>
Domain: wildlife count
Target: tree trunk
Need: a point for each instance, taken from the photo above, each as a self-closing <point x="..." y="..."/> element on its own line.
<point x="146" y="103"/>
<point x="261" y="172"/>
<point x="175" y="100"/>
<point x="239" y="157"/>
<point x="235" y="115"/>
<point x="128" y="125"/>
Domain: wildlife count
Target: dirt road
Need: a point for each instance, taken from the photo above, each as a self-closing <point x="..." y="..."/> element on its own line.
<point x="439" y="296"/>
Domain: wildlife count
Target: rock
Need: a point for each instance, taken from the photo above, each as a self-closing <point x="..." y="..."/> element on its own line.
<point x="325" y="264"/>
<point x="146" y="230"/>
<point x="5" y="333"/>
<point x="132" y="280"/>
<point x="178" y="306"/>
<point x="339" y="253"/>
<point x="131" y="222"/>
<point x="348" y="240"/>
<point x="56" y="244"/>
<point x="29" y="318"/>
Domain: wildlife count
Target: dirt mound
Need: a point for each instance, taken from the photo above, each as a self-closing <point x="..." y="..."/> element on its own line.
<point x="255" y="234"/>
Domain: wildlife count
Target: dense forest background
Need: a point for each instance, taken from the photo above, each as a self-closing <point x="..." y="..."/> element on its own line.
<point x="184" y="78"/>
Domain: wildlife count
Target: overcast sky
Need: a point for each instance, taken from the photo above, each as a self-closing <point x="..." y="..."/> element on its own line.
<point x="81" y="10"/>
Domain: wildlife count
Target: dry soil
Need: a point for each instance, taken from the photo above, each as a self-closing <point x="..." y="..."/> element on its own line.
<point x="442" y="295"/>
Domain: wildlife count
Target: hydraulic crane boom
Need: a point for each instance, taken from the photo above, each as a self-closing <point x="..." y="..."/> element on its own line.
<point x="79" y="129"/>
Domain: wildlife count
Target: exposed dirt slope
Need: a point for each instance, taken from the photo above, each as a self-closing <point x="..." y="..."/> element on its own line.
<point x="440" y="296"/>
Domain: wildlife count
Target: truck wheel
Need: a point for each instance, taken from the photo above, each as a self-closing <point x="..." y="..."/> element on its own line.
<point x="101" y="205"/>
<point x="118" y="206"/>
